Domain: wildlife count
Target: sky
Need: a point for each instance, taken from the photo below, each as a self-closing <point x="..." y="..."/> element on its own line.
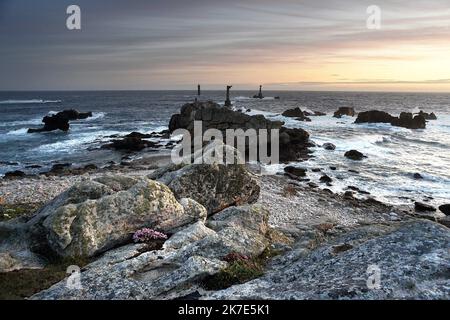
<point x="175" y="44"/>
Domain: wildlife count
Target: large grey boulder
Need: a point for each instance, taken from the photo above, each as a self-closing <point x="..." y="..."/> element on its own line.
<point x="96" y="215"/>
<point x="413" y="259"/>
<point x="190" y="255"/>
<point x="213" y="184"/>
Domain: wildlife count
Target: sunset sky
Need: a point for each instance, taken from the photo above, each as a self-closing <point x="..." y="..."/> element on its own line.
<point x="175" y="44"/>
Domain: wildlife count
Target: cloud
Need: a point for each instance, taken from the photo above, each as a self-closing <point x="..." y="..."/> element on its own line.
<point x="153" y="44"/>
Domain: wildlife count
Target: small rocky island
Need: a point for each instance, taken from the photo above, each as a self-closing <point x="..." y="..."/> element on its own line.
<point x="60" y="120"/>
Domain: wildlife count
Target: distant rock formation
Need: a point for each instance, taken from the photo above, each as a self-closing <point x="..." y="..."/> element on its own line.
<point x="406" y="120"/>
<point x="427" y="116"/>
<point x="296" y="113"/>
<point x="294" y="143"/>
<point x="345" y="111"/>
<point x="61" y="120"/>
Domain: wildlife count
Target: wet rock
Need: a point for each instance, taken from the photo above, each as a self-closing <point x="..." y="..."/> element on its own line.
<point x="405" y="120"/>
<point x="294" y="143"/>
<point x="130" y="143"/>
<point x="344" y="111"/>
<point x="60" y="120"/>
<point x="422" y="207"/>
<point x="354" y="155"/>
<point x="374" y="116"/>
<point x="418" y="176"/>
<point x="427" y="116"/>
<point x="445" y="208"/>
<point x="14" y="174"/>
<point x="329" y="146"/>
<point x="295" y="171"/>
<point x="325" y="179"/>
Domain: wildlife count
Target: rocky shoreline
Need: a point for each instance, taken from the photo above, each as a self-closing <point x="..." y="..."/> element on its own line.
<point x="229" y="232"/>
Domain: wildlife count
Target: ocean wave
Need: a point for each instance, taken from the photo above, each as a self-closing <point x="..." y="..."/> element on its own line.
<point x="243" y="98"/>
<point x="18" y="132"/>
<point x="31" y="101"/>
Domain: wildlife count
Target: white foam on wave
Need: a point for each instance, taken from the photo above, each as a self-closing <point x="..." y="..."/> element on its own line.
<point x="18" y="132"/>
<point x="31" y="101"/>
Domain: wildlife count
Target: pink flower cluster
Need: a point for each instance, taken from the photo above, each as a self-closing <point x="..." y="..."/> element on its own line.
<point x="146" y="235"/>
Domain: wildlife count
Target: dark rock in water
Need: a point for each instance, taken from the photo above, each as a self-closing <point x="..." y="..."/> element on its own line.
<point x="353" y="188"/>
<point x="422" y="207"/>
<point x="61" y="120"/>
<point x="319" y="114"/>
<point x="329" y="146"/>
<point x="14" y="174"/>
<point x="297" y="172"/>
<point x="417" y="176"/>
<point x="344" y="111"/>
<point x="333" y="168"/>
<point x="325" y="179"/>
<point x="33" y="166"/>
<point x="445" y="209"/>
<point x="277" y="98"/>
<point x="374" y="116"/>
<point x="248" y="110"/>
<point x="60" y="166"/>
<point x="406" y="120"/>
<point x="296" y="113"/>
<point x="9" y="163"/>
<point x="130" y="144"/>
<point x="427" y="116"/>
<point x="138" y="135"/>
<point x="354" y="155"/>
<point x="313" y="185"/>
<point x="316" y="170"/>
<point x="294" y="143"/>
<point x="349" y="195"/>
<point x="353" y="171"/>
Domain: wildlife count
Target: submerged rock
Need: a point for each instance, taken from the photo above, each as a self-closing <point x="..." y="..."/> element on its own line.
<point x="329" y="146"/>
<point x="354" y="155"/>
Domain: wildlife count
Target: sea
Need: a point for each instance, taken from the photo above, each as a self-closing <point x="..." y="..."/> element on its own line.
<point x="394" y="154"/>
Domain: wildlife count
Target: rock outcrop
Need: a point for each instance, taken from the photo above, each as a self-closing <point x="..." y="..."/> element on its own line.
<point x="405" y="120"/>
<point x="445" y="209"/>
<point x="60" y="121"/>
<point x="190" y="255"/>
<point x="355" y="155"/>
<point x="412" y="258"/>
<point x="294" y="143"/>
<point x="427" y="116"/>
<point x="213" y="184"/>
<point x="345" y="111"/>
<point x="96" y="215"/>
<point x="296" y="113"/>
